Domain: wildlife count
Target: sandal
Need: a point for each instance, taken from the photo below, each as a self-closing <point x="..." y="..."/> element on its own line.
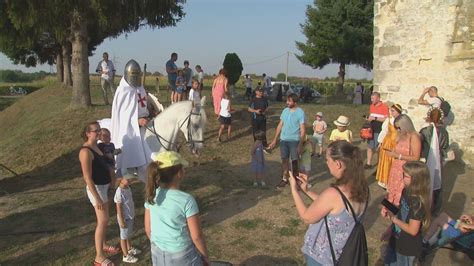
<point x="105" y="262"/>
<point x="111" y="250"/>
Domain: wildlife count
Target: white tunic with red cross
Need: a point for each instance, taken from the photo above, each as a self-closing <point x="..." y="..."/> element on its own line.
<point x="128" y="106"/>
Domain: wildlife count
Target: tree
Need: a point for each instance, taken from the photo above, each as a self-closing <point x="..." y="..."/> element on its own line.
<point x="77" y="27"/>
<point x="338" y="31"/>
<point x="281" y="76"/>
<point x="233" y="66"/>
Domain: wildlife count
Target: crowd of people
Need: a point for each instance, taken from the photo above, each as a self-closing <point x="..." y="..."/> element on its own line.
<point x="409" y="167"/>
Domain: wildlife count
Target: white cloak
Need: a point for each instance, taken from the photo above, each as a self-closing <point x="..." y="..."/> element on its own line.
<point x="125" y="131"/>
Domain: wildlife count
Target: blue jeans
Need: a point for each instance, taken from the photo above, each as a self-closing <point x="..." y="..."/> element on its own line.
<point x="311" y="262"/>
<point x="393" y="258"/>
<point x="189" y="256"/>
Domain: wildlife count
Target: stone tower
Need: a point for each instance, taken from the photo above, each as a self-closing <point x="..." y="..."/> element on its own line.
<point x="419" y="43"/>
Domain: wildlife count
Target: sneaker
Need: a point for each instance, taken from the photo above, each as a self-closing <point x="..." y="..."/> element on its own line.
<point x="267" y="151"/>
<point x="134" y="251"/>
<point x="262" y="183"/>
<point x="255" y="184"/>
<point x="368" y="166"/>
<point x="319" y="155"/>
<point x="282" y="184"/>
<point x="130" y="259"/>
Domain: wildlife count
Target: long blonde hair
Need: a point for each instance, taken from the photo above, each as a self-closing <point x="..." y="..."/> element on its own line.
<point x="420" y="187"/>
<point x="404" y="123"/>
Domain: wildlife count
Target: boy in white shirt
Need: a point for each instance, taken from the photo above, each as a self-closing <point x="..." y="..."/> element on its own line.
<point x="125" y="216"/>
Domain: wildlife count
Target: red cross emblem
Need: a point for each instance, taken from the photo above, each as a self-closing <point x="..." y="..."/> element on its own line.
<point x="141" y="100"/>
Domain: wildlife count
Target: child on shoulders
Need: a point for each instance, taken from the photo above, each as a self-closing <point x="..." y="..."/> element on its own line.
<point x="341" y="132"/>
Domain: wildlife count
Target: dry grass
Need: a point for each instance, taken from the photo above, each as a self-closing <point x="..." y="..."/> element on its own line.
<point x="45" y="217"/>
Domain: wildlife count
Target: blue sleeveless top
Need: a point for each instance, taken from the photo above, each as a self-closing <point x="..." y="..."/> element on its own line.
<point x="316" y="243"/>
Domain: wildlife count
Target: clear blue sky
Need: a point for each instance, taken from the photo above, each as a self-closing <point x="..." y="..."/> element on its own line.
<point x="259" y="31"/>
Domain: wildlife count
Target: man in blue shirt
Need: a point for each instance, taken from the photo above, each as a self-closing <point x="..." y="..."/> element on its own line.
<point x="291" y="131"/>
<point x="172" y="71"/>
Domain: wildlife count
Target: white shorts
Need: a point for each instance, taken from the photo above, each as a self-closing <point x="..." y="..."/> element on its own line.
<point x="102" y="190"/>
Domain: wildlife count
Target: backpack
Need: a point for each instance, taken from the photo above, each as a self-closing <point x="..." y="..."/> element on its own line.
<point x="366" y="132"/>
<point x="445" y="106"/>
<point x="355" y="250"/>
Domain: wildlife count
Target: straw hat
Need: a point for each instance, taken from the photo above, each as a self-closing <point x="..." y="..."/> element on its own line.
<point x="342" y="121"/>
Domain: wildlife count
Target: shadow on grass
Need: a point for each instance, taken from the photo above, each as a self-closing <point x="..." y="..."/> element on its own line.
<point x="61" y="169"/>
<point x="268" y="260"/>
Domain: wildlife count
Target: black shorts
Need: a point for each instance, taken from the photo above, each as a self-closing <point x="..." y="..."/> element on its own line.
<point x="225" y="120"/>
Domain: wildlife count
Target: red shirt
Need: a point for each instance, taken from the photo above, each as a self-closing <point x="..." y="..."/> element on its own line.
<point x="378" y="110"/>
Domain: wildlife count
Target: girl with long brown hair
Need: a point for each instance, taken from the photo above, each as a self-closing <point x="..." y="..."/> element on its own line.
<point x="413" y="216"/>
<point x="345" y="164"/>
<point x="171" y="215"/>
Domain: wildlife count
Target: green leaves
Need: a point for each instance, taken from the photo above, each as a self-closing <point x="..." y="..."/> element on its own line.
<point x="338" y="31"/>
<point x="233" y="66"/>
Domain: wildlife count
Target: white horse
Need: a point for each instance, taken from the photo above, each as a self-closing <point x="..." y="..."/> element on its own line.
<point x="162" y="132"/>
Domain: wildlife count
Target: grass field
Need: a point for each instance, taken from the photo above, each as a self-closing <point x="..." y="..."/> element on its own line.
<point x="45" y="217"/>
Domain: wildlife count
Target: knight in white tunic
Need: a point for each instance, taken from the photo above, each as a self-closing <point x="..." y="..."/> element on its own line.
<point x="129" y="119"/>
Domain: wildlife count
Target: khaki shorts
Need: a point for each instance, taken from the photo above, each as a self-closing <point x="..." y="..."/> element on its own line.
<point x="102" y="190"/>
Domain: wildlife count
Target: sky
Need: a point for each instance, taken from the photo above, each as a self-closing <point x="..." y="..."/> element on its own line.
<point x="260" y="32"/>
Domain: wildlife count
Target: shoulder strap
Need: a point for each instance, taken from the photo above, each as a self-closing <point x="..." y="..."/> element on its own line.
<point x="347" y="203"/>
<point x="333" y="255"/>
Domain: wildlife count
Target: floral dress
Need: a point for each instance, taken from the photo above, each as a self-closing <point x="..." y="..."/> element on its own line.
<point x="395" y="179"/>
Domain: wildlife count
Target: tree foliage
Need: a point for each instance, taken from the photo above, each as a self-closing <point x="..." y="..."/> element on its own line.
<point x="82" y="25"/>
<point x="338" y="31"/>
<point x="233" y="66"/>
<point x="281" y="76"/>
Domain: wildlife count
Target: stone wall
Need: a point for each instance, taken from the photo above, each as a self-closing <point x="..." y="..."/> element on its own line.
<point x="419" y="43"/>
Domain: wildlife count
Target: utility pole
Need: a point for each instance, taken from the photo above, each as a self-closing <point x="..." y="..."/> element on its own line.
<point x="287" y="58"/>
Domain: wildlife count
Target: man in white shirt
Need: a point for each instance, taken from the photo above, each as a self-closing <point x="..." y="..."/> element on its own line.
<point x="267" y="84"/>
<point x="432" y="100"/>
<point x="106" y="70"/>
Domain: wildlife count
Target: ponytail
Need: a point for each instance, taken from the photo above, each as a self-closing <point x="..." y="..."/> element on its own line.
<point x="152" y="180"/>
<point x="157" y="176"/>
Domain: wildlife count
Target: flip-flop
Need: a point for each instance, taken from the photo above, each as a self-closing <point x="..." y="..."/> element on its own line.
<point x="105" y="262"/>
<point x="111" y="250"/>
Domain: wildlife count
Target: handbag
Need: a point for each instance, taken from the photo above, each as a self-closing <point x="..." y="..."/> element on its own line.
<point x="366" y="132"/>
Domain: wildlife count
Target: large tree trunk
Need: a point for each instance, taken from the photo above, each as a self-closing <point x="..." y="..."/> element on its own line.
<point x="59" y="66"/>
<point x="81" y="96"/>
<point x="67" y="64"/>
<point x="340" y="81"/>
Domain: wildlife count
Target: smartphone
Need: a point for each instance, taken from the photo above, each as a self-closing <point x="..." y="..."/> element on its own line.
<point x="294" y="168"/>
<point x="392" y="208"/>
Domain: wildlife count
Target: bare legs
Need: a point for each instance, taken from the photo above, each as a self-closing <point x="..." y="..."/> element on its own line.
<point x="100" y="231"/>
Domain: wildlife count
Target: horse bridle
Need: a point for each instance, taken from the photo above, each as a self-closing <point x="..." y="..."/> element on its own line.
<point x="190" y="135"/>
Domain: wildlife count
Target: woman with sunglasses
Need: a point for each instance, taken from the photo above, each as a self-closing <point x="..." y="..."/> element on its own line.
<point x="407" y="148"/>
<point x="98" y="177"/>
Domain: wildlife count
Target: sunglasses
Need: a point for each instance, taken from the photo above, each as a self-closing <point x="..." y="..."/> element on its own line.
<point x="96" y="131"/>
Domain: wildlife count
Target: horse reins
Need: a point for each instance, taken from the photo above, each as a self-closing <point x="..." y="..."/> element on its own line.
<point x="178" y="147"/>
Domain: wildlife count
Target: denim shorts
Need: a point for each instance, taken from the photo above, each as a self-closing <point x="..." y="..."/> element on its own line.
<point x="288" y="148"/>
<point x="373" y="143"/>
<point x="189" y="256"/>
<point x="102" y="190"/>
<point x="126" y="233"/>
<point x="318" y="139"/>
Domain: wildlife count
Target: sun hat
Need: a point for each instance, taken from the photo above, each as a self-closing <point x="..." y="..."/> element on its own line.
<point x="342" y="121"/>
<point x="168" y="159"/>
<point x="320" y="114"/>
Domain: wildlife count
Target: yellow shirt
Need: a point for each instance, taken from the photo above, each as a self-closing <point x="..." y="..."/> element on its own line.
<point x="338" y="135"/>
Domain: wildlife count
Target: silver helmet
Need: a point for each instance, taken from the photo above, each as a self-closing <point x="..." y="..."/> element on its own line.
<point x="133" y="73"/>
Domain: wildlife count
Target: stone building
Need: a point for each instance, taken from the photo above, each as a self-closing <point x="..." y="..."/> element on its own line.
<point x="419" y="43"/>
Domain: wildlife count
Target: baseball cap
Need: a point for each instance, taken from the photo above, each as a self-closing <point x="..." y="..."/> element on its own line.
<point x="320" y="114"/>
<point x="168" y="159"/>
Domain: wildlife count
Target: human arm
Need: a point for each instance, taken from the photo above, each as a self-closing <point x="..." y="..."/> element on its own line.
<point x="277" y="134"/>
<point x="85" y="157"/>
<point x="415" y="150"/>
<point x="319" y="208"/>
<point x="384" y="131"/>
<point x="197" y="236"/>
<point x="226" y="81"/>
<point x="303" y="184"/>
<point x="412" y="227"/>
<point x="421" y="99"/>
<point x="299" y="149"/>
<point x="147" y="223"/>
